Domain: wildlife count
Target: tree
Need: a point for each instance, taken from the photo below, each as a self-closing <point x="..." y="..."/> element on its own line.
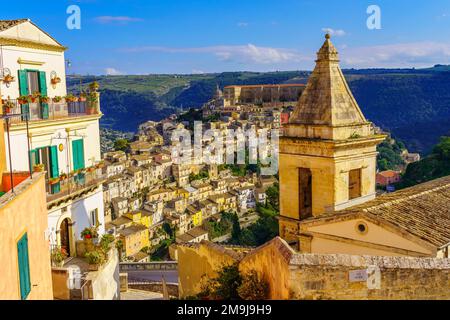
<point x="442" y="149"/>
<point x="225" y="285"/>
<point x="273" y="196"/>
<point x="253" y="288"/>
<point x="121" y="145"/>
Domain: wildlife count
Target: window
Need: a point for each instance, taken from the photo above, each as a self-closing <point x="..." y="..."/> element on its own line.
<point x="33" y="82"/>
<point x="305" y="193"/>
<point x="362" y="227"/>
<point x="94" y="218"/>
<point x="24" y="267"/>
<point x="354" y="184"/>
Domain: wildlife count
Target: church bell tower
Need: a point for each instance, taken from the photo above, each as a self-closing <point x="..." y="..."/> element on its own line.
<point x="328" y="151"/>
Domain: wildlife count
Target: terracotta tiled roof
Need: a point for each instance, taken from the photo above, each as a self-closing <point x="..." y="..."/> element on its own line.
<point x="422" y="210"/>
<point x="6" y="24"/>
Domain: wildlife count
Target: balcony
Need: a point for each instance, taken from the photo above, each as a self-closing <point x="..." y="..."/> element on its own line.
<point x="50" y="111"/>
<point x="73" y="186"/>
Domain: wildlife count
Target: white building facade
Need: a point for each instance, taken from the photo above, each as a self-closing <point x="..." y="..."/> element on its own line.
<point x="61" y="137"/>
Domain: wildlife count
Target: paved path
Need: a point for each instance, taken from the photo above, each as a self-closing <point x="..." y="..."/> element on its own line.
<point x="171" y="276"/>
<point x="132" y="294"/>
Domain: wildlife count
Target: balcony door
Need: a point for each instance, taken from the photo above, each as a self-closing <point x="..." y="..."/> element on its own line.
<point x="30" y="82"/>
<point x="48" y="156"/>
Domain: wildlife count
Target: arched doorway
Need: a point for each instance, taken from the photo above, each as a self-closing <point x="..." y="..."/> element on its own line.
<point x="65" y="235"/>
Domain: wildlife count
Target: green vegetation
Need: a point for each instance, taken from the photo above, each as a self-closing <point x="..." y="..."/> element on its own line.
<point x="389" y="157"/>
<point x="230" y="284"/>
<point x="121" y="145"/>
<point x="220" y="228"/>
<point x="161" y="251"/>
<point x="266" y="228"/>
<point x="200" y="176"/>
<point x="434" y="166"/>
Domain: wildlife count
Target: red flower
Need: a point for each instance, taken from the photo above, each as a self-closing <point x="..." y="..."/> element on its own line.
<point x="88" y="236"/>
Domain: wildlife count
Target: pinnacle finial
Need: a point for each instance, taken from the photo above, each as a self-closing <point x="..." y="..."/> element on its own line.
<point x="327" y="36"/>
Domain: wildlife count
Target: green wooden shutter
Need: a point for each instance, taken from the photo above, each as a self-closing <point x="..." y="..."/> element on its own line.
<point x="54" y="167"/>
<point x="42" y="83"/>
<point x="43" y="91"/>
<point x="54" y="162"/>
<point x="78" y="154"/>
<point x="24" y="267"/>
<point x="23" y="83"/>
<point x="23" y="90"/>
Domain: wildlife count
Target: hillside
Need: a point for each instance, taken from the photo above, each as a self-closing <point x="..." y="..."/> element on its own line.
<point x="413" y="104"/>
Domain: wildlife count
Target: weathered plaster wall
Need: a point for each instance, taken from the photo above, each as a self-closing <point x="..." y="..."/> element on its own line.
<point x="200" y="260"/>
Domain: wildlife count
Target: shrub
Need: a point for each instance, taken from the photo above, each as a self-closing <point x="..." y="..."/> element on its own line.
<point x="253" y="288"/>
<point x="95" y="258"/>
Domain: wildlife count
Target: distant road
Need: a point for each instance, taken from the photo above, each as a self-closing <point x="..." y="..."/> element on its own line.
<point x="171" y="276"/>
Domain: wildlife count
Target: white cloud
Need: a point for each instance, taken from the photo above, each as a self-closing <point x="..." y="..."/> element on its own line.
<point x="112" y="72"/>
<point x="242" y="24"/>
<point x="333" y="32"/>
<point x="416" y="54"/>
<point x="116" y="19"/>
<point x="196" y="71"/>
<point x="241" y="53"/>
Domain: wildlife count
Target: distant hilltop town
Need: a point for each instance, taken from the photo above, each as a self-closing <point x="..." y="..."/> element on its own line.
<point x="81" y="225"/>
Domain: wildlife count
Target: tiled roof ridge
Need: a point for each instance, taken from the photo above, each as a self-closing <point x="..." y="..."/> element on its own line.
<point x="406" y="197"/>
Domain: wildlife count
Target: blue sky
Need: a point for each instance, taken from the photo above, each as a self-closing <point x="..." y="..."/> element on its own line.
<point x="196" y="36"/>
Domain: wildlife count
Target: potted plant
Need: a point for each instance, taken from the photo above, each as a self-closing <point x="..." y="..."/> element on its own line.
<point x="53" y="181"/>
<point x="57" y="99"/>
<point x="92" y="103"/>
<point x="93" y="86"/>
<point x="38" y="167"/>
<point x="58" y="255"/>
<point x="82" y="97"/>
<point x="105" y="243"/>
<point x="70" y="98"/>
<point x="89" y="234"/>
<point x="44" y="99"/>
<point x="55" y="80"/>
<point x="63" y="176"/>
<point x="8" y="105"/>
<point x="95" y="259"/>
<point x="23" y="100"/>
<point x="8" y="79"/>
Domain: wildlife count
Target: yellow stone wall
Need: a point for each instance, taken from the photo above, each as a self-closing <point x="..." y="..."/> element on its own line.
<point x="198" y="262"/>
<point x="343" y="237"/>
<point x="26" y="213"/>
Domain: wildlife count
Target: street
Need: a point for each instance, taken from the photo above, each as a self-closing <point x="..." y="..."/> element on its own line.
<point x="171" y="276"/>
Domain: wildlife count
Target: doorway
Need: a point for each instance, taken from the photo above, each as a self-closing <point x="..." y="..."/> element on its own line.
<point x="65" y="235"/>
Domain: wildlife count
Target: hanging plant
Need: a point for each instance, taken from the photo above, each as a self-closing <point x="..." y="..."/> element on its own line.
<point x="55" y="80"/>
<point x="57" y="99"/>
<point x="24" y="99"/>
<point x="44" y="99"/>
<point x="7" y="79"/>
<point x="8" y="105"/>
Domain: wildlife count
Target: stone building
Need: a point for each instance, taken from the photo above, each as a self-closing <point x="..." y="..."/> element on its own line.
<point x="327" y="180"/>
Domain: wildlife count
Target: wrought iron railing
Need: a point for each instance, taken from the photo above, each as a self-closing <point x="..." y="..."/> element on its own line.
<point x="65" y="186"/>
<point x="39" y="111"/>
